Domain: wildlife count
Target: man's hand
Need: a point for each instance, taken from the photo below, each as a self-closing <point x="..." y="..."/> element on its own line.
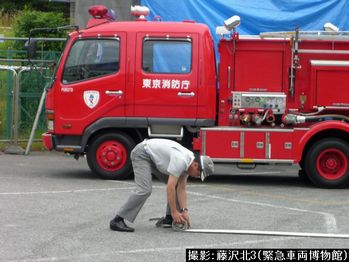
<point x="177" y="217"/>
<point x="185" y="216"/>
<point x="181" y="217"/>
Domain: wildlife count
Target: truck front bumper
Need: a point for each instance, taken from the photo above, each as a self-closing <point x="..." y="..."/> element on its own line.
<point x="47" y="140"/>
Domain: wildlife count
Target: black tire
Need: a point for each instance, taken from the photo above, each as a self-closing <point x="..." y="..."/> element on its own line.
<point x="327" y="163"/>
<point x="108" y="155"/>
<point x="302" y="175"/>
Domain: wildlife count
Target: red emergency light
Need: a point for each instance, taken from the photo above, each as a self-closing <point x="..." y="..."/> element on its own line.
<point x="102" y="12"/>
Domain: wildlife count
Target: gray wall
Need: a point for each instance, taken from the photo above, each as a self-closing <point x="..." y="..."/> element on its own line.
<point x="121" y="7"/>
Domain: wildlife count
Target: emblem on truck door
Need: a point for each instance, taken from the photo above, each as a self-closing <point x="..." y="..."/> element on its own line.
<point x="91" y="98"/>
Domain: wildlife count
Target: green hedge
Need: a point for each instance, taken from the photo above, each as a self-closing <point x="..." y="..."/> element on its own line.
<point x="30" y="19"/>
<point x="12" y="6"/>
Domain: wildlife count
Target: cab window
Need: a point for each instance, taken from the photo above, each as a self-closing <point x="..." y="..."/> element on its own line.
<point x="167" y="56"/>
<point x="90" y="59"/>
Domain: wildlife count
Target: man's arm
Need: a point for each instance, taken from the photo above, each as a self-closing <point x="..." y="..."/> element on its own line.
<point x="182" y="197"/>
<point x="181" y="191"/>
<point x="171" y="198"/>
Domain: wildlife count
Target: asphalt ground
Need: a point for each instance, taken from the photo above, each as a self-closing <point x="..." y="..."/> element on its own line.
<point x="52" y="208"/>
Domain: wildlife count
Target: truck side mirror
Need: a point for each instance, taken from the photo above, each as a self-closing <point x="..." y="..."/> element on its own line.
<point x="30" y="45"/>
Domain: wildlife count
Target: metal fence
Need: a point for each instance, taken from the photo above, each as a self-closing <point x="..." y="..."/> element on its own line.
<point x="23" y="105"/>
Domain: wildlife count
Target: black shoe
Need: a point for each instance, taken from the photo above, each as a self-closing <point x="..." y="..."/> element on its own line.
<point x="165" y="222"/>
<point x="118" y="224"/>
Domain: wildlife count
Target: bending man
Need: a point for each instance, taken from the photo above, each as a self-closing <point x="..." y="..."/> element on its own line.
<point x="169" y="158"/>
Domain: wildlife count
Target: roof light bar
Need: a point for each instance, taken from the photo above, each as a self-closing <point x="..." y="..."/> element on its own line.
<point x="102" y="12"/>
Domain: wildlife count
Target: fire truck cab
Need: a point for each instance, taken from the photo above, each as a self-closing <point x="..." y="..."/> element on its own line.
<point x="282" y="97"/>
<point x="120" y="82"/>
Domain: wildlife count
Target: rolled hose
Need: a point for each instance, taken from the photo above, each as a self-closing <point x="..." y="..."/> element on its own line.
<point x="180" y="226"/>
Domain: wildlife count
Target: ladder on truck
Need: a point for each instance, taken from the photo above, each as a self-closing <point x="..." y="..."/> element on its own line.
<point x="308" y="35"/>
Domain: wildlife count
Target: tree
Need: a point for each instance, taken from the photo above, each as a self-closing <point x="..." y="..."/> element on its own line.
<point x="29" y="19"/>
<point x="13" y="6"/>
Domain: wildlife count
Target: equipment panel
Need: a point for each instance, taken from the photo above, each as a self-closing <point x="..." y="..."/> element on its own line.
<point x="260" y="100"/>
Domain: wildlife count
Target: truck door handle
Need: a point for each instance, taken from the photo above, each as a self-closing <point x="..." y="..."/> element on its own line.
<point x="114" y="93"/>
<point x="185" y="94"/>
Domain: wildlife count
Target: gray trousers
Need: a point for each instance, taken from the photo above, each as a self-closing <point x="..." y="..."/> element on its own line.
<point x="142" y="168"/>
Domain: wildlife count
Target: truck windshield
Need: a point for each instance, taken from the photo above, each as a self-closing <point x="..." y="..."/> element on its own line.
<point x="90" y="59"/>
<point x="53" y="78"/>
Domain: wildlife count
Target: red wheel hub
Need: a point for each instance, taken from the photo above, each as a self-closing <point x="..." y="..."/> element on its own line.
<point x="332" y="164"/>
<point x="111" y="155"/>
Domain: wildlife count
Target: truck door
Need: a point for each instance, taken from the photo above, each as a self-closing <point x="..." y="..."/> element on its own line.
<point x="92" y="83"/>
<point x="166" y="84"/>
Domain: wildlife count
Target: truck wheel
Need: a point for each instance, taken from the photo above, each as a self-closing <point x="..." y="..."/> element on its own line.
<point x="301" y="173"/>
<point x="108" y="156"/>
<point x="327" y="163"/>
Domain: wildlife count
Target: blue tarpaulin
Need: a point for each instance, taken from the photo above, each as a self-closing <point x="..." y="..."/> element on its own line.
<point x="256" y="15"/>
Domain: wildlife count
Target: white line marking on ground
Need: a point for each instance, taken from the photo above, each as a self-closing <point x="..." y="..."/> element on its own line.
<point x="79" y="190"/>
<point x="67" y="191"/>
<point x="154" y="186"/>
<point x="132" y="182"/>
<point x="330" y="220"/>
<point x="249" y="173"/>
<point x="266" y="233"/>
<point x="122" y="182"/>
<point x="154" y="250"/>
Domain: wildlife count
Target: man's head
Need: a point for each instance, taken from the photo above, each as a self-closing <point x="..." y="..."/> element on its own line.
<point x="202" y="167"/>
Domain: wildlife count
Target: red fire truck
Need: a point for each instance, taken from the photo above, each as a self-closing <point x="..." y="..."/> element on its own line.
<point x="277" y="98"/>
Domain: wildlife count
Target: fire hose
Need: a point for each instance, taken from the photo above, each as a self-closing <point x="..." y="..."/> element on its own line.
<point x="299" y="119"/>
<point x="183" y="227"/>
